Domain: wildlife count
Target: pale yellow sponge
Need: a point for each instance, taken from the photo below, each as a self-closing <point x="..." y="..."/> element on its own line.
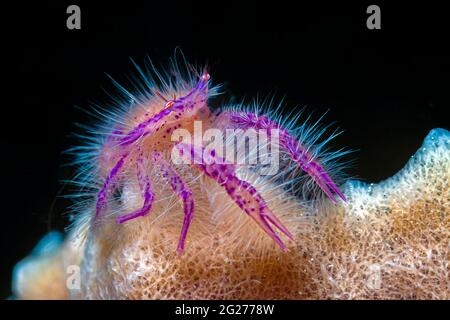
<point x="390" y="241"/>
<point x="46" y="272"/>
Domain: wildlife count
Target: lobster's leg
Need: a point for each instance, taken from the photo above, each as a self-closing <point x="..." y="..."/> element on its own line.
<point x="184" y="193"/>
<point x="242" y="192"/>
<point x="146" y="192"/>
<point x="108" y="185"/>
<point x="297" y="151"/>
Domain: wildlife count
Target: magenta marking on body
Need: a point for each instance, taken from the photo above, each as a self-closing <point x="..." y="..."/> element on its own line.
<point x="146" y="191"/>
<point x="242" y="192"/>
<point x="184" y="193"/>
<point x="298" y="153"/>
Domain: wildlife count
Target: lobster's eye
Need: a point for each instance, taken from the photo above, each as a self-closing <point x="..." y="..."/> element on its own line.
<point x="169" y="104"/>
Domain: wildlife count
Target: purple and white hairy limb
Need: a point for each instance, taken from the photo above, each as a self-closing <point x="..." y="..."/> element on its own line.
<point x="109" y="185"/>
<point x="298" y="153"/>
<point x="184" y="193"/>
<point x="242" y="192"/>
<point x="146" y="193"/>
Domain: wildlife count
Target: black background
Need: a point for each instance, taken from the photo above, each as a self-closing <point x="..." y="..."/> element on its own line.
<point x="386" y="88"/>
